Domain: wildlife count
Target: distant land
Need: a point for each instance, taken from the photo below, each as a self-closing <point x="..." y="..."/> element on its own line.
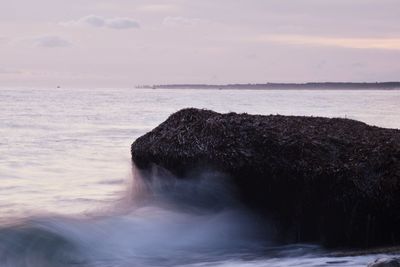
<point x="283" y="86"/>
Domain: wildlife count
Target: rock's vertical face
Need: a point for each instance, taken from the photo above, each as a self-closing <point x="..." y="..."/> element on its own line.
<point x="335" y="181"/>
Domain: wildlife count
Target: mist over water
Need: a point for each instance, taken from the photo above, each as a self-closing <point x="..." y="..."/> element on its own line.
<point x="69" y="197"/>
<point x="169" y="223"/>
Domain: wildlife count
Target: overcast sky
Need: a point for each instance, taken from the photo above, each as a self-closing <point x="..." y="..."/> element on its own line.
<point x="122" y="43"/>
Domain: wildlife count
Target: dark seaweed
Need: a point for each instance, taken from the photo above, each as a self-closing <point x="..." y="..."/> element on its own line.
<point x="328" y="180"/>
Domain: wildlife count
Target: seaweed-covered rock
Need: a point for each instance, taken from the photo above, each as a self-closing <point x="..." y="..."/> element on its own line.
<point x="334" y="181"/>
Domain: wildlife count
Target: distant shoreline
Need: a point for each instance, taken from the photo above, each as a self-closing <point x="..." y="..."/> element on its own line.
<point x="283" y="86"/>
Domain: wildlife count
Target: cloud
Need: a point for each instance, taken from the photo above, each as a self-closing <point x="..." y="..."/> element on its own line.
<point x="9" y="71"/>
<point x="181" y="21"/>
<point x="357" y="43"/>
<point x="121" y="23"/>
<point x="51" y="41"/>
<point x="91" y="20"/>
<point x="99" y="22"/>
<point x="3" y="40"/>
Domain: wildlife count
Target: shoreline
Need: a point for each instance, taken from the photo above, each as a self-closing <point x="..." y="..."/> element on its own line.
<point x="281" y="86"/>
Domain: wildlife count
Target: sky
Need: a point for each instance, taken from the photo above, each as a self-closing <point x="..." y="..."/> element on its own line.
<point x="124" y="43"/>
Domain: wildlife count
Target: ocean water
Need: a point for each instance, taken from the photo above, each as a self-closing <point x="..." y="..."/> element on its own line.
<point x="69" y="195"/>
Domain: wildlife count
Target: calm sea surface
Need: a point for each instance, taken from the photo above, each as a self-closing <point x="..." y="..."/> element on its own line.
<point x="65" y="172"/>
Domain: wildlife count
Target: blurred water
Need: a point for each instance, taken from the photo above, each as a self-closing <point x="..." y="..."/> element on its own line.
<point x="65" y="160"/>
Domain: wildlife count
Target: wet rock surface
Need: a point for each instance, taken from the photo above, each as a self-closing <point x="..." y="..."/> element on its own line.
<point x="385" y="262"/>
<point x="333" y="181"/>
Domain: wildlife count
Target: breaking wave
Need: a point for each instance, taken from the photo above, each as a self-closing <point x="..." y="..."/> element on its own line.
<point x="169" y="222"/>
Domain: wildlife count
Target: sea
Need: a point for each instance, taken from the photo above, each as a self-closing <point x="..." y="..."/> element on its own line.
<point x="70" y="196"/>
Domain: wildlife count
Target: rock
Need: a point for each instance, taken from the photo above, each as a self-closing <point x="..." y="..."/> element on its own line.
<point x="385" y="262"/>
<point x="333" y="181"/>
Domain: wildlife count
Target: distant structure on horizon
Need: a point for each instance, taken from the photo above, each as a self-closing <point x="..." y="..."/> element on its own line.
<point x="283" y="86"/>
